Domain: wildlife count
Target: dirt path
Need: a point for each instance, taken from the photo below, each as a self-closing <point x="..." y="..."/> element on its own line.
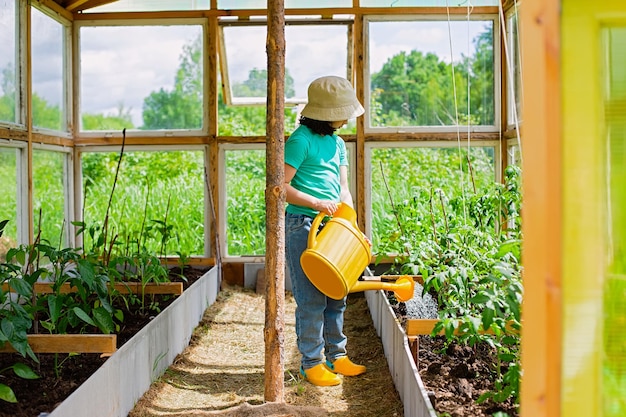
<point x="221" y="372"/>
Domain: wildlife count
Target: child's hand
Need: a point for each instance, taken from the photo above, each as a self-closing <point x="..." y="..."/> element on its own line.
<point x="367" y="239"/>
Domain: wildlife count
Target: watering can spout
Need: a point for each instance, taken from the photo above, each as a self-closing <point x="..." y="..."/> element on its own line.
<point x="403" y="288"/>
<point x="336" y="257"/>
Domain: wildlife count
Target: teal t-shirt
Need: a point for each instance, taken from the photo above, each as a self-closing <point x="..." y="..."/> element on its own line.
<point x="317" y="160"/>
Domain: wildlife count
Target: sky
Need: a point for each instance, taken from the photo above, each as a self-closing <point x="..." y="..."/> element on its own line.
<point x="120" y="66"/>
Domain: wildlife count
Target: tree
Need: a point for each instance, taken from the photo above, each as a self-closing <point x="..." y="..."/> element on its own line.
<point x="7" y="100"/>
<point x="482" y="94"/>
<point x="121" y="120"/>
<point x="417" y="89"/>
<point x="256" y="85"/>
<point x="181" y="108"/>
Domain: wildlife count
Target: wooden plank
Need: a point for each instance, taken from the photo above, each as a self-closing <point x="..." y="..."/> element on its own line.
<point x="69" y="343"/>
<point x="391" y="278"/>
<point x="175" y="288"/>
<point x="416" y="327"/>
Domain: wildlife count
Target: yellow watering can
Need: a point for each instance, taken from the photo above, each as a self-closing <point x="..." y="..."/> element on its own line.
<point x="336" y="257"/>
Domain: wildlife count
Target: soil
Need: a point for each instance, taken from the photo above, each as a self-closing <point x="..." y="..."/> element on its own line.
<point x="456" y="375"/>
<point x="221" y="371"/>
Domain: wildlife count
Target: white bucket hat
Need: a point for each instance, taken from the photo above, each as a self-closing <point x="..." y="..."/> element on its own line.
<point x="332" y="99"/>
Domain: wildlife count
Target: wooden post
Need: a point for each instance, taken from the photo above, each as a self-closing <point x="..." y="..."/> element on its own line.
<point x="542" y="214"/>
<point x="275" y="197"/>
<point x="357" y="68"/>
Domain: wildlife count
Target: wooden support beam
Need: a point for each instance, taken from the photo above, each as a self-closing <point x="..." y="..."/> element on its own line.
<point x="275" y="197"/>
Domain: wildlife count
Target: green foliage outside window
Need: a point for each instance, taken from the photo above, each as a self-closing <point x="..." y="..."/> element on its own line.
<point x="417" y="89"/>
<point x="410" y="88"/>
<point x="8" y="202"/>
<point x="49" y="197"/>
<point x="158" y="202"/>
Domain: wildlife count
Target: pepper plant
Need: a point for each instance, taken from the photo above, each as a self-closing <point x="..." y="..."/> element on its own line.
<point x="15" y="320"/>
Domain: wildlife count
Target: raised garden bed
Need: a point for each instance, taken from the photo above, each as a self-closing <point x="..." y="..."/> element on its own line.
<point x="449" y="377"/>
<point x="91" y="385"/>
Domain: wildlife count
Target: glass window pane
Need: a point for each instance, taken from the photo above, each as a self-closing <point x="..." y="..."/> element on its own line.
<point x="49" y="191"/>
<point x="614" y="369"/>
<point x="514" y="67"/>
<point x="412" y="83"/>
<point x="247" y="60"/>
<point x="299" y="4"/>
<point x="150" y="6"/>
<point x="48" y="62"/>
<point x="409" y="179"/>
<point x="440" y="3"/>
<point x="8" y="202"/>
<point x="245" y="202"/>
<point x="514" y="156"/>
<point x="158" y="199"/>
<point x="8" y="61"/>
<point x="141" y="77"/>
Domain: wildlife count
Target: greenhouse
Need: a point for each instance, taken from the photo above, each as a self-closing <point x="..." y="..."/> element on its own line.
<point x="470" y="242"/>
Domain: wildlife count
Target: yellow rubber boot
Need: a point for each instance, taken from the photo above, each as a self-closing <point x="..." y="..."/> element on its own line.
<point x="345" y="366"/>
<point x="320" y="376"/>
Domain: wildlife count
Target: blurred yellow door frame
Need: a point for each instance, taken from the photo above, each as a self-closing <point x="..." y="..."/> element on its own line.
<point x="574" y="135"/>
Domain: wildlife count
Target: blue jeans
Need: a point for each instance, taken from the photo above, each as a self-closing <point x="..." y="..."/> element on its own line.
<point x="319" y="319"/>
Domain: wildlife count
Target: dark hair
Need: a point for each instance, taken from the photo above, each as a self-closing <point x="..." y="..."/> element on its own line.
<point x="320" y="127"/>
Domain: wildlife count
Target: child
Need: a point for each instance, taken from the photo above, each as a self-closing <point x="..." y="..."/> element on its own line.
<point x="316" y="180"/>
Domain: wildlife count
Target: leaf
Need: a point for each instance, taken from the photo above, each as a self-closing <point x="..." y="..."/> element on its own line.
<point x="20" y="256"/>
<point x="86" y="271"/>
<point x="484" y="397"/>
<point x="8" y="328"/>
<point x="3" y="223"/>
<point x="104" y="320"/>
<point x="505" y="269"/>
<point x="21" y="287"/>
<point x="54" y="307"/>
<point x="475" y="323"/>
<point x="507" y="357"/>
<point x="480" y="298"/>
<point x="24" y="371"/>
<point x="510" y="246"/>
<point x="449" y="327"/>
<point x="47" y="325"/>
<point x="80" y="313"/>
<point x="487" y="317"/>
<point x="510" y="340"/>
<point x="119" y="315"/>
<point x="7" y="394"/>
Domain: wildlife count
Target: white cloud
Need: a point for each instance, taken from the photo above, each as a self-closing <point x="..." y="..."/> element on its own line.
<point x="7" y="34"/>
<point x="121" y="66"/>
<point x="390" y="38"/>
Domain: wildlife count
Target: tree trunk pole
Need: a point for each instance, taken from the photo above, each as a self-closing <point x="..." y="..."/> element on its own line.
<point x="275" y="205"/>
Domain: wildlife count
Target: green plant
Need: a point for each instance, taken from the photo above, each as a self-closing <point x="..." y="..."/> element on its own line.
<point x="16" y="314"/>
<point x="21" y="370"/>
<point x="88" y="305"/>
<point x="15" y="320"/>
<point x="467" y="248"/>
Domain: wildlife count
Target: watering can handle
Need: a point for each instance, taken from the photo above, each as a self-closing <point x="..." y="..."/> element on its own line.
<point x="314" y="226"/>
